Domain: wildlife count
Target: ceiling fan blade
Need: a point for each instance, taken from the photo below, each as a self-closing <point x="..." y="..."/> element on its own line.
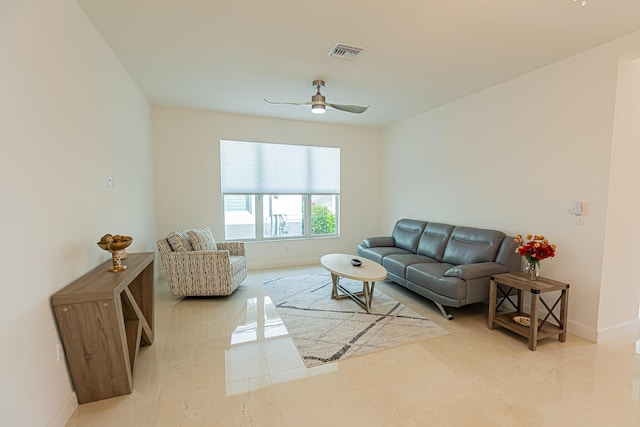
<point x="349" y="108"/>
<point x="287" y="103"/>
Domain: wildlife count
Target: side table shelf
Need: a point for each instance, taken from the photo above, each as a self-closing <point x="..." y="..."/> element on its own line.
<point x="539" y="328"/>
<point x="505" y="320"/>
<point x="103" y="319"/>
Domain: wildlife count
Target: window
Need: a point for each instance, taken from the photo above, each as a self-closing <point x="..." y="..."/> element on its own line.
<point x="239" y="217"/>
<point x="279" y="191"/>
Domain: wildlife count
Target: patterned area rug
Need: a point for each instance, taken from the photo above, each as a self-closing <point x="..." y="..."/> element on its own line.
<point x="326" y="330"/>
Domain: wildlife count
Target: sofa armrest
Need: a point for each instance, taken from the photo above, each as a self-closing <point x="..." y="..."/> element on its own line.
<point x="474" y="271"/>
<point x="374" y="242"/>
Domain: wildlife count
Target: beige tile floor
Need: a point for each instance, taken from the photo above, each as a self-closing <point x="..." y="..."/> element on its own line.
<point x="199" y="372"/>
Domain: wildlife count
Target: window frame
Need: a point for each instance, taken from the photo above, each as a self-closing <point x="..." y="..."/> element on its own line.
<point x="259" y="219"/>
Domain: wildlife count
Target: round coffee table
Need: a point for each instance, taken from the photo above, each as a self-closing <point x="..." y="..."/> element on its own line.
<point x="369" y="273"/>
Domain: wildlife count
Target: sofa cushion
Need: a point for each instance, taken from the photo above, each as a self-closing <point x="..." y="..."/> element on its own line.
<point x="377" y="254"/>
<point x="407" y="233"/>
<point x="202" y="239"/>
<point x="505" y="254"/>
<point x="179" y="241"/>
<point x="431" y="276"/>
<point x="434" y="240"/>
<point x="470" y="245"/>
<point x="398" y="263"/>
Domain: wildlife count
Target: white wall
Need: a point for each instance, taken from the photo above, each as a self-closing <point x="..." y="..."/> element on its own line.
<point x="69" y="114"/>
<point x="620" y="293"/>
<point x="187" y="159"/>
<point x="515" y="157"/>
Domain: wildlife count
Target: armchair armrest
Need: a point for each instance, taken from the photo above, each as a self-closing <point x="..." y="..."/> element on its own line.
<point x="373" y="242"/>
<point x="234" y="248"/>
<point x="200" y="262"/>
<point x="474" y="271"/>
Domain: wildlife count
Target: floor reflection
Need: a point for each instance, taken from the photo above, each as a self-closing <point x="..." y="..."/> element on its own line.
<point x="262" y="322"/>
<point x="262" y="353"/>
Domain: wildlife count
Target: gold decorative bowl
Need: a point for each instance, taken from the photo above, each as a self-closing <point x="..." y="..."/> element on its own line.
<point x="115" y="248"/>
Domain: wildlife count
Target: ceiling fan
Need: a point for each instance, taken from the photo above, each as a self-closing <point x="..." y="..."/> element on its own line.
<point x="318" y="103"/>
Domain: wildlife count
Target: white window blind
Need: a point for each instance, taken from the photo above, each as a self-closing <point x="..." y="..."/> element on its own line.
<point x="264" y="168"/>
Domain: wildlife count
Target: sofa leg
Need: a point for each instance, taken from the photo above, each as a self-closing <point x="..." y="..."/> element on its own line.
<point x="446" y="315"/>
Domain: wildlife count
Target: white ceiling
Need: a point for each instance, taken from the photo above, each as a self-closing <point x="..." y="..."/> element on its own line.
<point x="228" y="55"/>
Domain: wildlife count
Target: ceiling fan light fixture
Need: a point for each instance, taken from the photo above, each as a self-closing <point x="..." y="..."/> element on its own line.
<point x="318" y="109"/>
<point x="318" y="101"/>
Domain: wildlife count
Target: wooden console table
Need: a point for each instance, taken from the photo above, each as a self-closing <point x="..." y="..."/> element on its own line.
<point x="103" y="319"/>
<point x="535" y="288"/>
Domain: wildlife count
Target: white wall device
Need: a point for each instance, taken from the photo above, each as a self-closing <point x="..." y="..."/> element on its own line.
<point x="577" y="210"/>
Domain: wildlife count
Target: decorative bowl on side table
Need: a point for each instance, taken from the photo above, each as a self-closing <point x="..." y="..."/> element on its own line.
<point x="114" y="248"/>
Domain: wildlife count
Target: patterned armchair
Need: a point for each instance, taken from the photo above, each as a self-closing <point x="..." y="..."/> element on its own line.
<point x="196" y="265"/>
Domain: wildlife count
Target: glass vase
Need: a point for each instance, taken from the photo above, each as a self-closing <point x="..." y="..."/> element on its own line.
<point x="531" y="270"/>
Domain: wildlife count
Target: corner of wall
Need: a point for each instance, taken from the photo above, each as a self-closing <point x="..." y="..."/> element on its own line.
<point x="582" y="331"/>
<point x="64" y="413"/>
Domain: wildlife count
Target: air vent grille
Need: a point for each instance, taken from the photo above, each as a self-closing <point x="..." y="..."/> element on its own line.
<point x="344" y="51"/>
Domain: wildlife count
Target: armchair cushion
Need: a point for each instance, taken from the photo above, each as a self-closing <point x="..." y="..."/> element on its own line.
<point x="179" y="241"/>
<point x="202" y="239"/>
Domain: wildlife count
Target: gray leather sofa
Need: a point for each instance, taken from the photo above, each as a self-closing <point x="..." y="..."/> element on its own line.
<point x="450" y="265"/>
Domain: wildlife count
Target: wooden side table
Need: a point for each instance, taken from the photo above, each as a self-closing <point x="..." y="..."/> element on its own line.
<point x="535" y="288"/>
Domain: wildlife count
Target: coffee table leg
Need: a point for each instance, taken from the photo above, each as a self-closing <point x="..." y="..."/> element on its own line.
<point x="368" y="288"/>
<point x="367" y="297"/>
<point x="334" y="289"/>
<point x="367" y="292"/>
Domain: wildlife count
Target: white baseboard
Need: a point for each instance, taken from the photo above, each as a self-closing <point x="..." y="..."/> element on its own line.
<point x="267" y="265"/>
<point x="582" y="331"/>
<point x="284" y="263"/>
<point x="61" y="418"/>
<point x="629" y="329"/>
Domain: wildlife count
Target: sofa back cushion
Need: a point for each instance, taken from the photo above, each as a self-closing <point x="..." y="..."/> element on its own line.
<point x="434" y="240"/>
<point x="470" y="245"/>
<point x="507" y="254"/>
<point x="407" y="232"/>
